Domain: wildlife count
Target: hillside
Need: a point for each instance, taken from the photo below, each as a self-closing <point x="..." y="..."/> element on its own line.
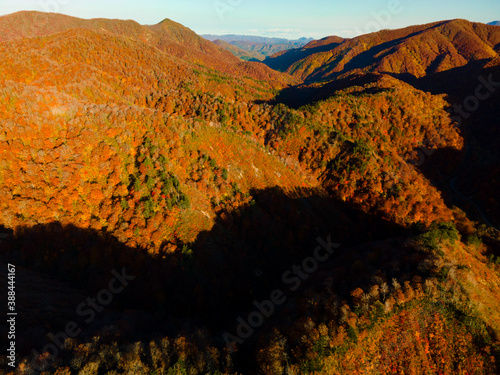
<point x="168" y="36"/>
<point x="151" y="151"/>
<point x="283" y="60"/>
<point x="238" y="52"/>
<point x="412" y="52"/>
<point x="430" y="58"/>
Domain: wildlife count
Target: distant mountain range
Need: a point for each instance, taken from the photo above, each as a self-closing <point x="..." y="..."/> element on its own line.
<point x="495" y="23"/>
<point x="255" y="48"/>
<point x="255" y="39"/>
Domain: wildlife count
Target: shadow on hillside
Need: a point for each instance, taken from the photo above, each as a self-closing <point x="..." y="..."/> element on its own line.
<point x="203" y="284"/>
<point x="465" y="185"/>
<point x="405" y="77"/>
<point x="457" y="83"/>
<point x="298" y="96"/>
<point x="475" y="171"/>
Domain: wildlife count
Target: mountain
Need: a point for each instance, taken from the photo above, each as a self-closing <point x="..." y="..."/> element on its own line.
<point x="254" y="39"/>
<point x="168" y="36"/>
<point x="414" y="51"/>
<point x="238" y="52"/>
<point x="257" y="47"/>
<point x="159" y="195"/>
<point x="430" y="58"/>
<point x="494" y="23"/>
<point x="283" y="60"/>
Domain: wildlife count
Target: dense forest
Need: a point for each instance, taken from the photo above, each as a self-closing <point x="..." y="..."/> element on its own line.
<point x="213" y="182"/>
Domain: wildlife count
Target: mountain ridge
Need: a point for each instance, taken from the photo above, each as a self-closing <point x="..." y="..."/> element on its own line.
<point x="168" y="36"/>
<point x="439" y="46"/>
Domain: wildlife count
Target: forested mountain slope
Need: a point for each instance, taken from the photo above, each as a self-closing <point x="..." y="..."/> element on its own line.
<point x="414" y="51"/>
<point x="151" y="150"/>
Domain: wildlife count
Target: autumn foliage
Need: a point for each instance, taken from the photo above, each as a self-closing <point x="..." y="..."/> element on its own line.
<point x="152" y="148"/>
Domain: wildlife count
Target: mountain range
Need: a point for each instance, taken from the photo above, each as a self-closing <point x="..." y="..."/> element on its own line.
<point x="255" y="48"/>
<point x="412" y="52"/>
<point x="331" y="210"/>
<point x="168" y="36"/>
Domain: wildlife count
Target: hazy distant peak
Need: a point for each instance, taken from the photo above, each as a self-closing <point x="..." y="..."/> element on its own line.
<point x="253" y="39"/>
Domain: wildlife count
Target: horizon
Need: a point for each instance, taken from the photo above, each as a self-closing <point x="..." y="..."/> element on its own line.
<point x="277" y="20"/>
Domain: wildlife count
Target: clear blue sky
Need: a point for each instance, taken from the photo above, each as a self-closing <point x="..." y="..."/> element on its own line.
<point x="280" y="18"/>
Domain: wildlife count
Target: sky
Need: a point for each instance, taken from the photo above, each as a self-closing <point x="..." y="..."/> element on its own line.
<point x="276" y="18"/>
